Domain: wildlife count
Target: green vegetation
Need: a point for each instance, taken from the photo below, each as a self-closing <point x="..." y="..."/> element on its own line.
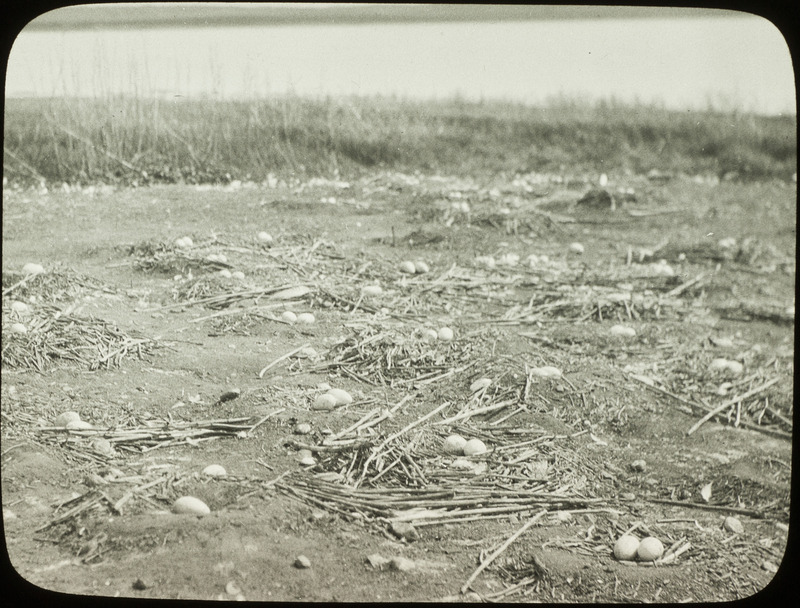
<point x="138" y="141"/>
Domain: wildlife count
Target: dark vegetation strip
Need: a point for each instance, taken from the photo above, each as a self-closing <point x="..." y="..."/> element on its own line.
<point x="137" y="141"/>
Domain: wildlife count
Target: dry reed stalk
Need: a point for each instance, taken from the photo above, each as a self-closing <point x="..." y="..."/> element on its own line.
<point x="282" y="358"/>
<point x="500" y="550"/>
<point x="731" y="402"/>
<point x="377" y="450"/>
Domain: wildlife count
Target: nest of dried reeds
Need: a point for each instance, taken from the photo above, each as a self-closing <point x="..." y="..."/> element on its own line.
<point x="54" y="335"/>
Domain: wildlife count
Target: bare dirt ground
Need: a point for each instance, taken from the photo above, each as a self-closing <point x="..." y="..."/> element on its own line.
<point x="161" y="354"/>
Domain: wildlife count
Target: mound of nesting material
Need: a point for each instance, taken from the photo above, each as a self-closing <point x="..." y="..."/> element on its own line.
<point x="53" y="334"/>
<point x="168" y="258"/>
<point x="57" y="285"/>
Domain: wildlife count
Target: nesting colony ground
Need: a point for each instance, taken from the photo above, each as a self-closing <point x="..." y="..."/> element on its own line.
<point x="625" y="354"/>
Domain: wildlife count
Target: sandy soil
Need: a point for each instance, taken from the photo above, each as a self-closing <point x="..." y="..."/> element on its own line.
<point x="594" y="423"/>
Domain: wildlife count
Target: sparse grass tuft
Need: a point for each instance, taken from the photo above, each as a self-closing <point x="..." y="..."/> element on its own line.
<point x="131" y="140"/>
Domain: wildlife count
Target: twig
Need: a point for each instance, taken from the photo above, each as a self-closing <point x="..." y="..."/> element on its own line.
<point x="697" y="505"/>
<point x="264" y="419"/>
<point x="729" y="403"/>
<point x="684" y="286"/>
<point x="376" y="450"/>
<point x="281" y="358"/>
<point x="502" y="548"/>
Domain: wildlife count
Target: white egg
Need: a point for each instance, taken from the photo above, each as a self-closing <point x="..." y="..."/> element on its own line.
<point x="215" y="470"/>
<point x="430" y="335"/>
<point x="724" y="365"/>
<point x="289" y="316"/>
<point x="325" y="402"/>
<point x="421" y="267"/>
<point x="264" y="237"/>
<point x="371" y="290"/>
<point x="546" y="371"/>
<point x="576" y="248"/>
<point x="461" y="464"/>
<point x="626" y="546"/>
<point x="18" y="328"/>
<point x="487" y="261"/>
<point x="31" y="268"/>
<point x="238" y="274"/>
<point x="302" y="429"/>
<point x="65" y="418"/>
<point x="20" y="308"/>
<point x="190" y="505"/>
<point x="479" y="384"/>
<point x="445" y="333"/>
<point x="78" y="425"/>
<point x="184" y="242"/>
<point x="474" y="446"/>
<point x="305" y="317"/>
<point x="225" y="273"/>
<point x="407" y="267"/>
<point x="649" y="549"/>
<point x="622" y="331"/>
<point x="342" y="397"/>
<point x="508" y="259"/>
<point x="454" y="444"/>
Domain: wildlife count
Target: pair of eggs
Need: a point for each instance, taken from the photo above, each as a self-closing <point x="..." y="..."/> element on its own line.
<point x="456" y="444"/>
<point x="628" y="548"/>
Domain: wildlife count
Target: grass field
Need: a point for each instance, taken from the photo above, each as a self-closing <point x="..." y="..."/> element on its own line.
<point x="140" y="141"/>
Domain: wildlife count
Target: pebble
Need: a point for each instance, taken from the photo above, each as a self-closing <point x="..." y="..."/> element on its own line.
<point x="732" y="524"/>
<point x="639" y="466"/>
<point x="404" y="530"/>
<point x="401" y="564"/>
<point x="769" y="566"/>
<point x="302" y="562"/>
<point x="302" y="429"/>
<point x="479" y="384"/>
<point x="103" y="446"/>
